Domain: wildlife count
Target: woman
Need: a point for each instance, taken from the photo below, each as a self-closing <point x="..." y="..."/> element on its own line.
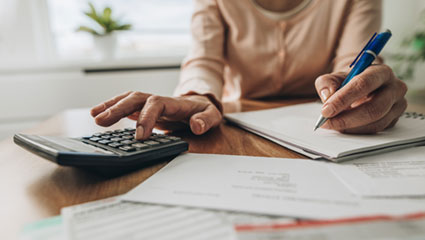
<point x="261" y="48"/>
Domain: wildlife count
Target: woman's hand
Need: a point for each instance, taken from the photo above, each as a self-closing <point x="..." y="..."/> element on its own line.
<point x="369" y="103"/>
<point x="148" y="110"/>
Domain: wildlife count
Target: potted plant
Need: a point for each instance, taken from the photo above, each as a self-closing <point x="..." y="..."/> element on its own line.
<point x="104" y="34"/>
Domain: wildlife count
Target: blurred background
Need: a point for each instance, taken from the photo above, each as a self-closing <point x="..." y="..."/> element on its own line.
<point x="46" y="66"/>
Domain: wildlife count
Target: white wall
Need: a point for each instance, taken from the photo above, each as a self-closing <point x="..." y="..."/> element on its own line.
<point x="26" y="99"/>
<point x="401" y="17"/>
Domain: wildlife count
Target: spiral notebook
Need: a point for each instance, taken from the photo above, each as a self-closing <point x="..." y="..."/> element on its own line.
<point x="292" y="127"/>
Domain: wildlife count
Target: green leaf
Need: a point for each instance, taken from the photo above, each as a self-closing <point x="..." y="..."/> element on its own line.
<point x="418" y="44"/>
<point x="90" y="15"/>
<point x="89" y="30"/>
<point x="107" y="12"/>
<point x="93" y="10"/>
<point x="124" y="27"/>
<point x="105" y="20"/>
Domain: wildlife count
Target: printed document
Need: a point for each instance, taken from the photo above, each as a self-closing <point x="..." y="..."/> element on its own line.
<point x="112" y="219"/>
<point x="409" y="228"/>
<point x="399" y="174"/>
<point x="273" y="186"/>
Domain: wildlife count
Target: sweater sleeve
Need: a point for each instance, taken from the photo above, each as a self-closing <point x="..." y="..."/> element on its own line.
<point x="363" y="19"/>
<point x="202" y="70"/>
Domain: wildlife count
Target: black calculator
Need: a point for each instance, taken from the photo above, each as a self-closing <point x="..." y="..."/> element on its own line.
<point x="110" y="153"/>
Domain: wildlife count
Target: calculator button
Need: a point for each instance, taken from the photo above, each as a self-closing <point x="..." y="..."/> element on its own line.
<point x="104" y="141"/>
<point x="140" y="145"/>
<point x="97" y="134"/>
<point x="127" y="137"/>
<point x="95" y="139"/>
<point x="128" y="142"/>
<point x="106" y="136"/>
<point x="115" y="145"/>
<point x="151" y="143"/>
<point x="127" y="148"/>
<point x="163" y="140"/>
<point x="173" y="138"/>
<point x="116" y="139"/>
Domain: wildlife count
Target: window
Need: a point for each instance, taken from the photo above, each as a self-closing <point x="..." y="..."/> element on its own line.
<point x="160" y="28"/>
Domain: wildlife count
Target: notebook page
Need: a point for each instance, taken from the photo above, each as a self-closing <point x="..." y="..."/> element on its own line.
<point x="295" y="124"/>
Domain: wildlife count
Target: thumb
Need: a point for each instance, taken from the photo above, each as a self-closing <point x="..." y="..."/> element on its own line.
<point x="327" y="84"/>
<point x="203" y="121"/>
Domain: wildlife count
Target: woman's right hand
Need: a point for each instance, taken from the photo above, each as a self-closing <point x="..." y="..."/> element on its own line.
<point x="195" y="110"/>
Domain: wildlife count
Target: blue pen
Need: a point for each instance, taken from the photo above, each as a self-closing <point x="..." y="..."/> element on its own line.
<point x="363" y="61"/>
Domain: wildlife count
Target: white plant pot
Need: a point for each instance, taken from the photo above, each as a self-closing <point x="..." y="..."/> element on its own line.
<point x="106" y="46"/>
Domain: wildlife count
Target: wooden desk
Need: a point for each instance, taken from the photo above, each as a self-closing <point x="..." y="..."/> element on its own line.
<point x="33" y="188"/>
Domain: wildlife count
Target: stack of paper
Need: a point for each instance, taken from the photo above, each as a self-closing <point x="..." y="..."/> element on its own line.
<point x="406" y="228"/>
<point x="232" y="186"/>
<point x="292" y="127"/>
<point x="113" y="218"/>
<point x="284" y="187"/>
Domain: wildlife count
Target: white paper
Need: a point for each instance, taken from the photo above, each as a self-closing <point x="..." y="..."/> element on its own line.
<point x="113" y="219"/>
<point x="272" y="186"/>
<point x="388" y="229"/>
<point x="282" y="143"/>
<point x="400" y="173"/>
<point x="294" y="125"/>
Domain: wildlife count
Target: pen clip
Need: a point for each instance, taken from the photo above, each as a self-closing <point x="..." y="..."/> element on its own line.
<point x="361" y="53"/>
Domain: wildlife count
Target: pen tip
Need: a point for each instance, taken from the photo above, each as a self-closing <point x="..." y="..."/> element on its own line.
<point x="315" y="128"/>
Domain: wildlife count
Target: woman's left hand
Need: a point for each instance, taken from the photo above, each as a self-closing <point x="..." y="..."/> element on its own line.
<point x="369" y="103"/>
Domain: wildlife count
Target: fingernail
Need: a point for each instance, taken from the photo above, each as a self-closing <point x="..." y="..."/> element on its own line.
<point x="201" y="123"/>
<point x="325" y="94"/>
<point x="139" y="132"/>
<point x="327" y="111"/>
<point x="104" y="114"/>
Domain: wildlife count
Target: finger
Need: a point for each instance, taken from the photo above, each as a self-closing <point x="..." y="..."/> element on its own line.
<point x="157" y="107"/>
<point x="151" y="112"/>
<point x="371" y="111"/>
<point x="387" y="121"/>
<point x="359" y="87"/>
<point x="327" y="84"/>
<point x="123" y="108"/>
<point x="171" y="109"/>
<point x="105" y="105"/>
<point x="134" y="116"/>
<point x="203" y="121"/>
